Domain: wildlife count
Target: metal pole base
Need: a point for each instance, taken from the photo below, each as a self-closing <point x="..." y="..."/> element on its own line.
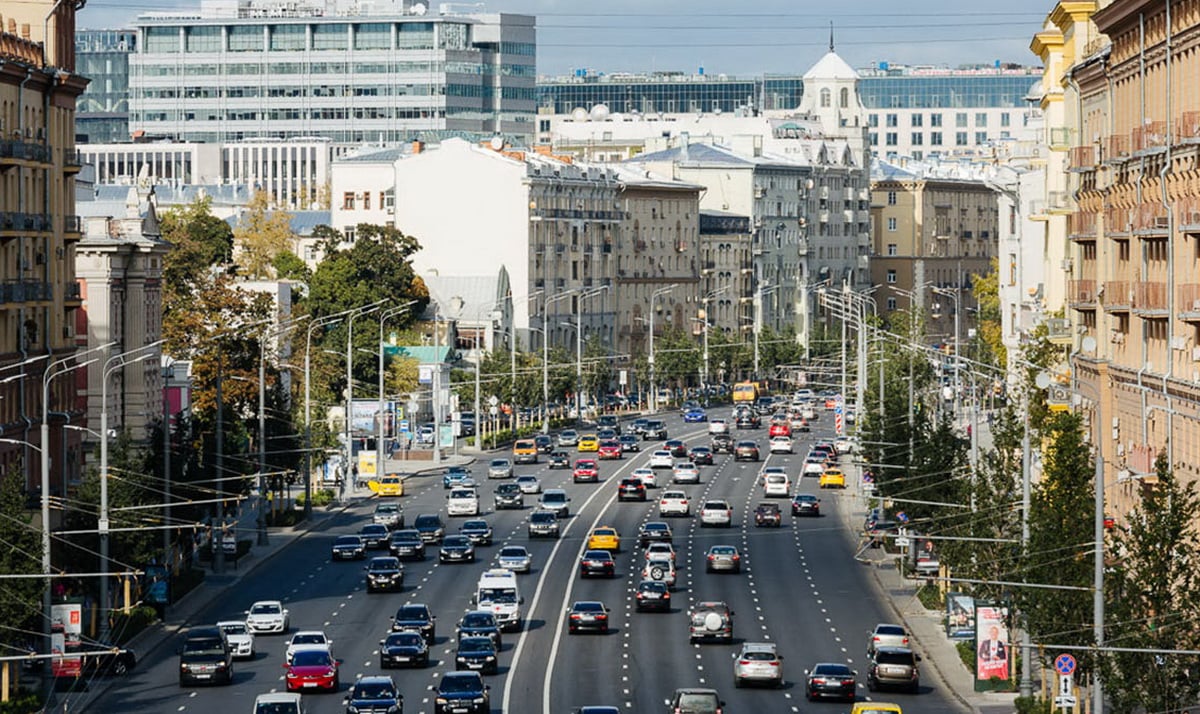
<point x="262" y="532"/>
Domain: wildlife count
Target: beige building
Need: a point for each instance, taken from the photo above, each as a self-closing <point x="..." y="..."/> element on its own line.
<point x="39" y="297"/>
<point x="931" y="233"/>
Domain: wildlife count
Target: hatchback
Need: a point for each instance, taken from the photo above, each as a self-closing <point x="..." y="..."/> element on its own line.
<point x="701" y="455"/>
<point x="745" y="451"/>
<point x="758" y="662"/>
<point x="723" y="558"/>
<point x="500" y="468"/>
<point x="676" y="447"/>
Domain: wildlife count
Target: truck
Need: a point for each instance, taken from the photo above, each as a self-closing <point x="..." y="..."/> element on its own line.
<point x="497" y="593"/>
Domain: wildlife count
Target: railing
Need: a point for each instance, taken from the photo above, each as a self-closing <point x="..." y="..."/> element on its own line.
<point x="1187" y="296"/>
<point x="1081" y="292"/>
<point x="1116" y="219"/>
<point x="1189" y="126"/>
<point x="1151" y="135"/>
<point x="1117" y="294"/>
<point x="15" y="291"/>
<point x="72" y="159"/>
<point x="1058" y="201"/>
<point x="1060" y="137"/>
<point x="1150" y="296"/>
<point x="72" y="224"/>
<point x="1082" y="224"/>
<point x="13" y="221"/>
<point x="1116" y="147"/>
<point x="23" y="150"/>
<point x="1082" y="157"/>
<point x="71" y="291"/>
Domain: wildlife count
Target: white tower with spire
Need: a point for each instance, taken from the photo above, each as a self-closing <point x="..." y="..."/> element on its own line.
<point x="831" y="95"/>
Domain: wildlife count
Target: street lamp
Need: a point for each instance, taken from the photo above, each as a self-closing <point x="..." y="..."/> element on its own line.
<point x="279" y="330"/>
<point x="348" y="471"/>
<point x="758" y="320"/>
<point x="707" y="322"/>
<point x="549" y="299"/>
<point x="379" y="451"/>
<point x="579" y="348"/>
<point x="953" y="295"/>
<point x="653" y="377"/>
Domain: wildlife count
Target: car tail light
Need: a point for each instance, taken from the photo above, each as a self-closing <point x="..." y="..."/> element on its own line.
<point x="574" y="616"/>
<point x="737" y="557"/>
<point x="601" y="617"/>
<point x="712" y="557"/>
<point x="744" y="662"/>
<point x="848" y="682"/>
<point x="818" y="681"/>
<point x="875" y="638"/>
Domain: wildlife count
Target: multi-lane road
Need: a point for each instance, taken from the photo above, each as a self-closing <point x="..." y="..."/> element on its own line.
<point x="799" y="588"/>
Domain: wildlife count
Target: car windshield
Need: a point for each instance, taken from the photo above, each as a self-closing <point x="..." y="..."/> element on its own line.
<point x="236" y="628"/>
<point x="374" y="691"/>
<point x="696" y="703"/>
<point x="312" y="638"/>
<point x="597" y="555"/>
<point x="759" y="656"/>
<point x="525" y="479"/>
<point x="386" y="508"/>
<point x="206" y="646"/>
<point x="475" y="526"/>
<point x="462" y="493"/>
<point x="513" y="551"/>
<point x="889" y="630"/>
<point x="401" y="536"/>
<point x="264" y="610"/>
<point x="500" y="596"/>
<point x="374" y="529"/>
<point x="542" y="517"/>
<point x="893" y="658"/>
<point x="347" y="540"/>
<point x="654" y="587"/>
<point x="499" y="463"/>
<point x="455" y="542"/>
<point x="276" y="708"/>
<point x="459" y="685"/>
<point x="476" y="644"/>
<point x="588" y="607"/>
<point x="833" y="670"/>
<point x="428" y="522"/>
<point x="480" y="619"/>
<point x="311" y="658"/>
<point x="554" y="497"/>
<point x="723" y="550"/>
<point x="384" y="564"/>
<point x="411" y="612"/>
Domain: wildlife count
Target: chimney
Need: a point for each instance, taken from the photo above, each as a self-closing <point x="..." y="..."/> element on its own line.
<point x="418" y="147"/>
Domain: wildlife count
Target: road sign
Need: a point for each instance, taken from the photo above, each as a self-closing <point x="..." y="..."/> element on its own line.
<point x="1066" y="701"/>
<point x="1064" y="664"/>
<point x="493" y="400"/>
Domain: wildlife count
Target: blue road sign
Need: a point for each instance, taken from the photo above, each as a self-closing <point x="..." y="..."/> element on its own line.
<point x="1064" y="664"/>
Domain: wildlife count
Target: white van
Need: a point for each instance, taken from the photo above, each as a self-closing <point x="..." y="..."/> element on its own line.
<point x="777" y="486"/>
<point x="498" y="594"/>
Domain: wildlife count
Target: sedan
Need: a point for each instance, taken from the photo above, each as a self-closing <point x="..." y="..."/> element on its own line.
<point x="515" y="558"/>
<point x="586" y="470"/>
<point x="745" y="451"/>
<point x="560" y="460"/>
<point x="676" y="447"/>
<point x="723" y="558"/>
<point x="701" y="455"/>
<point x="610" y="449"/>
<point x="385" y="573"/>
<point x="456" y="549"/>
<point x="267" y="616"/>
<point x="597" y="562"/>
<point x="529" y="484"/>
<point x="718" y="426"/>
<point x="674" y="503"/>
<point x="604" y="538"/>
<point x="587" y="615"/>
<point x="407" y="544"/>
<point x="832" y="478"/>
<point x="831" y="680"/>
<point x="348" y="547"/>
<point x="805" y="504"/>
<point x="403" y="649"/>
<point x="477" y="653"/>
<point x="477" y="531"/>
<point x="454" y="476"/>
<point x="646" y="476"/>
<point x="716" y="513"/>
<point x="781" y="445"/>
<point x="568" y="437"/>
<point x="312" y="668"/>
<point x="374" y="535"/>
<point x="543" y="443"/>
<point x="695" y="416"/>
<point x="500" y="468"/>
<point x="631" y="489"/>
<point x="629" y="442"/>
<point x="653" y="595"/>
<point x="685" y="472"/>
<point x="660" y="550"/>
<point x="661" y="459"/>
<point x="655" y="532"/>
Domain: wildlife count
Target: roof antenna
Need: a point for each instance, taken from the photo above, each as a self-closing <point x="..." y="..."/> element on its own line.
<point x="831" y="35"/>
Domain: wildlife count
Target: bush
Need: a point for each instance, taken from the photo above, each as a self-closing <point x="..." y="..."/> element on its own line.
<point x="930" y="597"/>
<point x="1032" y="705"/>
<point x="966" y="652"/>
<point x="320" y="497"/>
<point x="286" y="518"/>
<point x="127" y="626"/>
<point x="22" y="702"/>
<point x="184" y="581"/>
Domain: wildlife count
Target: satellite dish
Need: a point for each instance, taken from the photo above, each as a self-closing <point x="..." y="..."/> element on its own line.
<point x="419" y="9"/>
<point x="579" y="114"/>
<point x="599" y="112"/>
<point x="497" y="143"/>
<point x="1042" y="380"/>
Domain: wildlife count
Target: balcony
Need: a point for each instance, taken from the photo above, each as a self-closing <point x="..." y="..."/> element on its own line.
<point x="1081" y="226"/>
<point x="20" y="291"/>
<point x="1187" y="297"/>
<point x="12" y="222"/>
<point x="1188" y="131"/>
<point x="14" y="151"/>
<point x="72" y="227"/>
<point x="1082" y="294"/>
<point x="1117" y="221"/>
<point x="72" y="293"/>
<point x="1150" y="299"/>
<point x="72" y="161"/>
<point x="1058" y="202"/>
<point x="1148" y="138"/>
<point x="1151" y="220"/>
<point x="1082" y="158"/>
<point x="1117" y="297"/>
<point x="1060" y="137"/>
<point x="1116" y="148"/>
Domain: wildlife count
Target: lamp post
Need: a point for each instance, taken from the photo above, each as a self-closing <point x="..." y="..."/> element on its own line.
<point x="546" y="355"/>
<point x="758" y="320"/>
<point x="653" y="377"/>
<point x="512" y="355"/>
<point x="579" y="349"/>
<point x="707" y="322"/>
<point x="359" y="312"/>
<point x="379" y="451"/>
<point x="261" y="521"/>
<point x="954" y="295"/>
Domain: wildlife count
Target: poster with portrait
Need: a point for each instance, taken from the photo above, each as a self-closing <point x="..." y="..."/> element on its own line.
<point x="992" y="651"/>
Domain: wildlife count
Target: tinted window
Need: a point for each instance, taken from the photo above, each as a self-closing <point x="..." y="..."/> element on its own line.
<point x="411" y="612"/>
<point x="459" y="685"/>
<point x="905" y="658"/>
<point x="477" y="620"/>
<point x="405" y="639"/>
<point x="374" y="691"/>
<point x="204" y="646"/>
<point x="264" y="610"/>
<point x="759" y="656"/>
<point x="428" y="521"/>
<point x="310" y="658"/>
<point x="832" y="669"/>
<point x="889" y="630"/>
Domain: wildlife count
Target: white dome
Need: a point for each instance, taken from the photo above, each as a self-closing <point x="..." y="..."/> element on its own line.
<point x="579" y="114"/>
<point x="831" y="66"/>
<point x="599" y="112"/>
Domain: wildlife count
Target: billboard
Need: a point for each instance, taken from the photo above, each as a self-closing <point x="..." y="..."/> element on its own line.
<point x="992" y="651"/>
<point x="364" y="416"/>
<point x="66" y="630"/>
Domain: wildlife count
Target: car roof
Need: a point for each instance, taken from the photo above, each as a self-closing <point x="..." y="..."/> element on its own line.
<point x="759" y="647"/>
<point x="278" y="698"/>
<point x="375" y="679"/>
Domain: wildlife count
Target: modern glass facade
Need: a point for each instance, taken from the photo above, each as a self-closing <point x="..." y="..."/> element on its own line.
<point x="102" y="112"/>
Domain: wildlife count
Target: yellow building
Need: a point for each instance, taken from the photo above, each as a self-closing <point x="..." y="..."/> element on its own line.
<point x="39" y="296"/>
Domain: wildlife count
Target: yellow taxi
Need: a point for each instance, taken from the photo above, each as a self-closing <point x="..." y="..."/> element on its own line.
<point x="589" y="442"/>
<point x="876" y="708"/>
<point x="604" y="538"/>
<point x="390" y="485"/>
<point x="832" y="478"/>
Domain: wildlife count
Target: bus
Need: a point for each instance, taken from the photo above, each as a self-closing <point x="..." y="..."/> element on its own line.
<point x="745" y="392"/>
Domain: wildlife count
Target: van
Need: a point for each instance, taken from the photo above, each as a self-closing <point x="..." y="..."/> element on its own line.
<point x="525" y="451"/>
<point x="497" y="593"/>
<point x="205" y="657"/>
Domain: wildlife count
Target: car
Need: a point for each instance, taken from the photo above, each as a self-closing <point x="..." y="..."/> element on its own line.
<point x="508" y="495"/>
<point x="374" y="535"/>
<point x="389" y="515"/>
<point x="886" y="634"/>
<point x="407" y="545"/>
<point x="676" y="446"/>
<point x="695" y="415"/>
<point x="723" y="558"/>
<point x="659" y="549"/>
<point x="809" y="413"/>
<point x="556" y="500"/>
<point x="780" y="445"/>
<point x="478" y="654"/>
<point x="609" y="421"/>
<point x="832" y="478"/>
<point x="454" y="476"/>
<point x="384" y="573"/>
<point x="374" y="693"/>
<point x="205" y="657"/>
<point x="843" y="445"/>
<point x="390" y="485"/>
<point x="780" y="428"/>
<point x="543" y="524"/>
<point x="660" y="569"/>
<point x="716" y="513"/>
<point x="894" y="667"/>
<point x="746" y="420"/>
<point x="480" y="623"/>
<point x="597" y="562"/>
<point x="718" y="426"/>
<point x="456" y="549"/>
<point x="674" y="503"/>
<point x="799" y="423"/>
<point x="477" y="531"/>
<point x="646" y="476"/>
<point x="279" y="703"/>
<point x="348" y="547"/>
<point x="777" y="486"/>
<point x="874" y="707"/>
<point x="694" y="700"/>
<point x="588" y="442"/>
<point x="568" y="437"/>
<point x="461" y="693"/>
<point x="516" y="558"/>
<point x="880" y="531"/>
<point x="267" y="616"/>
<point x="661" y="459"/>
<point x="805" y="504"/>
<point x="813" y="466"/>
<point x="722" y="443"/>
<point x="655" y="429"/>
<point x="767" y="515"/>
<point x="500" y="468"/>
<point x="587" y="615"/>
<point x="653" y="595"/>
<point x="831" y="680"/>
<point x="430" y="526"/>
<point x="529" y="484"/>
<point x="685" y="472"/>
<point x="525" y="451"/>
<point x="758" y="662"/>
<point x="416" y="617"/>
<point x="586" y="470"/>
<point x="312" y="668"/>
<point x="306" y="639"/>
<point x="710" y="620"/>
<point x="462" y="502"/>
<point x="604" y="538"/>
<point x="560" y="460"/>
<point x="767" y="471"/>
<point x="701" y="455"/>
<point x="239" y="637"/>
<point x="629" y="442"/>
<point x="631" y="489"/>
<point x="745" y="451"/>
<point x="425" y="434"/>
<point x="655" y="532"/>
<point x="543" y="443"/>
<point x="638" y="426"/>
<point x="610" y="449"/>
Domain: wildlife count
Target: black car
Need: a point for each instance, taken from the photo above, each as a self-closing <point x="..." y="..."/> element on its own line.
<point x="374" y="693"/>
<point x="609" y="421"/>
<point x="384" y="573"/>
<point x="701" y="455"/>
<point x="407" y="544"/>
<point x="403" y="649"/>
<point x="106" y="661"/>
<point x="768" y="515"/>
<point x="806" y="504"/>
<point x="461" y="693"/>
<point x="477" y="531"/>
<point x="478" y="654"/>
<point x="560" y="460"/>
<point x="655" y="429"/>
<point x="205" y="657"/>
<point x="722" y="444"/>
<point x="653" y="595"/>
<point x="543" y="524"/>
<point x="543" y="443"/>
<point x="508" y="495"/>
<point x="348" y="547"/>
<point x="416" y="618"/>
<point x="456" y="549"/>
<point x="597" y="562"/>
<point x="745" y="451"/>
<point x="631" y="489"/>
<point x="655" y="532"/>
<point x="374" y="535"/>
<point x="480" y="623"/>
<point x="430" y="526"/>
<point x="831" y="680"/>
<point x="746" y="420"/>
<point x="587" y="615"/>
<point x="629" y="442"/>
<point x="676" y="447"/>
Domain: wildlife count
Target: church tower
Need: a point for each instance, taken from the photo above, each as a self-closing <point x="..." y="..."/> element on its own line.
<point x="831" y="95"/>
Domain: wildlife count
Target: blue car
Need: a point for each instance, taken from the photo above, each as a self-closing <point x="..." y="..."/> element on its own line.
<point x="454" y="476"/>
<point x="695" y="415"/>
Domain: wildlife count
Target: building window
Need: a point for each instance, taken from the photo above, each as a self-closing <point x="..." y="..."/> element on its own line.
<point x="918" y="155"/>
<point x="1005" y="119"/>
<point x="918" y="120"/>
<point x="918" y="139"/>
<point x="891" y="277"/>
<point x="893" y="120"/>
<point x="980" y="138"/>
<point x="826" y="98"/>
<point x="873" y="137"/>
<point x="891" y="249"/>
<point x="935" y="120"/>
<point x="366" y="200"/>
<point x="960" y="120"/>
<point x="348" y="201"/>
<point x="891" y="225"/>
<point x="935" y="138"/>
<point x="891" y="198"/>
<point x="287" y="37"/>
<point x="873" y="120"/>
<point x="348" y="233"/>
<point x="960" y="138"/>
<point x="892" y="138"/>
<point x="891" y="303"/>
<point x="844" y="98"/>
<point x="980" y="118"/>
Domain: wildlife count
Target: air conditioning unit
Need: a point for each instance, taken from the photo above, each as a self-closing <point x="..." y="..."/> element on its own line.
<point x="1118" y="338"/>
<point x="1196" y="306"/>
<point x="1179" y="343"/>
<point x="1196" y="354"/>
<point x="1116" y="422"/>
<point x="1068" y="265"/>
<point x="1160" y="222"/>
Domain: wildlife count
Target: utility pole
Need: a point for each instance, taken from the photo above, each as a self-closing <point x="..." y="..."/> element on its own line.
<point x="653" y="380"/>
<point x="218" y="527"/>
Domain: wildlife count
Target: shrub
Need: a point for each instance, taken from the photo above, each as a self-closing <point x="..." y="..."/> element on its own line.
<point x="930" y="597"/>
<point x="966" y="652"/>
<point x="23" y="702"/>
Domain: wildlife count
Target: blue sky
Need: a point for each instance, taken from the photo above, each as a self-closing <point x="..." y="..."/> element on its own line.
<point x="735" y="37"/>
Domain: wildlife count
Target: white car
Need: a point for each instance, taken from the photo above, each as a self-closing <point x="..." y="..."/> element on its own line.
<point x="718" y="426"/>
<point x="660" y="569"/>
<point x="814" y="467"/>
<point x="674" y="503"/>
<point x="685" y="472"/>
<point x="843" y="445"/>
<point x="241" y="639"/>
<point x="716" y="513"/>
<point x="515" y="558"/>
<point x="781" y="445"/>
<point x="777" y="486"/>
<point x="767" y="471"/>
<point x="306" y="639"/>
<point x="462" y="502"/>
<point x="808" y="412"/>
<point x="268" y="616"/>
<point x="661" y="459"/>
<point x="279" y="703"/>
<point x="660" y="549"/>
<point x="646" y="476"/>
<point x="529" y="484"/>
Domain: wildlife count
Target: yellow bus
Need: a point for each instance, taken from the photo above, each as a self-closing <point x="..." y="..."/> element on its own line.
<point x="745" y="392"/>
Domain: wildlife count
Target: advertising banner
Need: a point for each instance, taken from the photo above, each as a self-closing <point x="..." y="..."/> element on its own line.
<point x="960" y="616"/>
<point x="992" y="651"/>
<point x="66" y="630"/>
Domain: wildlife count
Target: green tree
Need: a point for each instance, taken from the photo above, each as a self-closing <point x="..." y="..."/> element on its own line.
<point x="988" y="343"/>
<point x="598" y="373"/>
<point x="262" y="234"/>
<point x="20" y="608"/>
<point x="289" y="266"/>
<point x="1153" y="595"/>
<point x="199" y="242"/>
<point x="677" y="358"/>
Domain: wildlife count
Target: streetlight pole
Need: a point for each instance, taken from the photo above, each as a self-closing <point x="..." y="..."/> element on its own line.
<point x="954" y="295"/>
<point x="319" y="322"/>
<point x="348" y="472"/>
<point x="758" y="320"/>
<point x="579" y="349"/>
<point x="379" y="451"/>
<point x="653" y="377"/>
<point x="707" y="322"/>
<point x="262" y="422"/>
<point x="546" y="355"/>
<point x="512" y="355"/>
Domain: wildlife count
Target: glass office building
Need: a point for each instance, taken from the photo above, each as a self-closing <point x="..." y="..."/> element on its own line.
<point x="102" y="111"/>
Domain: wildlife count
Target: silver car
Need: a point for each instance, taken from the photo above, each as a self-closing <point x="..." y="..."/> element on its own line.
<point x="886" y="635"/>
<point x="529" y="484"/>
<point x="500" y="468"/>
<point x="716" y="513"/>
<point x="515" y="558"/>
<point x="568" y="437"/>
<point x="758" y="662"/>
<point x="685" y="472"/>
<point x="724" y="558"/>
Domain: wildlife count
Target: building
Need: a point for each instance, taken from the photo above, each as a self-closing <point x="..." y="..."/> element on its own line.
<point x="727" y="261"/>
<point x="362" y="187"/>
<point x="348" y="72"/>
<point x="102" y="114"/>
<point x="39" y="295"/>
<point x="1128" y="126"/>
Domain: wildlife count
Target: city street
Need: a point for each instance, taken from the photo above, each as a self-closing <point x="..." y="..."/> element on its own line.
<point x="799" y="587"/>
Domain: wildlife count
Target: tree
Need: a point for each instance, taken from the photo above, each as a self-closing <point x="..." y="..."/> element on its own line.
<point x="598" y="373"/>
<point x="289" y="266"/>
<point x="199" y="242"/>
<point x="677" y="358"/>
<point x="988" y="341"/>
<point x="262" y="234"/>
<point x="20" y="608"/>
<point x="1153" y="595"/>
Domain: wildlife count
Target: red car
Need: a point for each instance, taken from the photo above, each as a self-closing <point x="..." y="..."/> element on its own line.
<point x="780" y="429"/>
<point x="610" y="450"/>
<point x="313" y="668"/>
<point x="586" y="470"/>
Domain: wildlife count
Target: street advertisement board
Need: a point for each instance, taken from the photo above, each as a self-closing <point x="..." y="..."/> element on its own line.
<point x="66" y="630"/>
<point x="992" y="651"/>
<point x="960" y="616"/>
<point x="364" y="416"/>
<point x="366" y="464"/>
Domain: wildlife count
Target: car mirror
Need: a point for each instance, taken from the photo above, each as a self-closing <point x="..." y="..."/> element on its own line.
<point x="521" y="600"/>
<point x="918" y="657"/>
<point x="432" y="688"/>
<point x="339" y="662"/>
<point x="247" y="612"/>
<point x="487" y="687"/>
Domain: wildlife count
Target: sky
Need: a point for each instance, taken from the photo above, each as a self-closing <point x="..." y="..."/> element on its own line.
<point x="734" y="37"/>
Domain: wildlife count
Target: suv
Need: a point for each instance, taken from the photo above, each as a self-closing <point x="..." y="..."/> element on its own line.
<point x="543" y="524"/>
<point x="384" y="573"/>
<point x="767" y="514"/>
<point x="710" y="621"/>
<point x="894" y="666"/>
<point x="655" y="429"/>
<point x="557" y="501"/>
<point x="388" y="514"/>
<point x="374" y="693"/>
<point x="693" y="700"/>
<point x="407" y="544"/>
<point x="722" y="443"/>
<point x="205" y="657"/>
<point x="758" y="662"/>
<point x="461" y="692"/>
<point x="508" y="495"/>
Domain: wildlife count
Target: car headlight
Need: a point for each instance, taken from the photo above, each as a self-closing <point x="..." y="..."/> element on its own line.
<point x="441" y="701"/>
<point x="291" y="674"/>
<point x="478" y="700"/>
<point x="351" y="709"/>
